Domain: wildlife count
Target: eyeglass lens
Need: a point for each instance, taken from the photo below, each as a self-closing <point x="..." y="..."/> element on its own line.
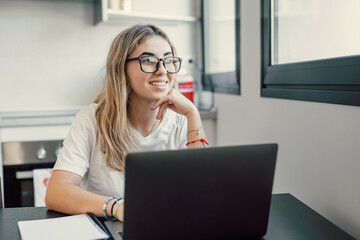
<point x="150" y="64"/>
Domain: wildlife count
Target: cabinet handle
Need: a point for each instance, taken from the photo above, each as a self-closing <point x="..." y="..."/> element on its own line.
<point x="24" y="174"/>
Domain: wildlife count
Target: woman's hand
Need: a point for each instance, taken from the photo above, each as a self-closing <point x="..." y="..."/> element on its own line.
<point x="176" y="102"/>
<point x="181" y="105"/>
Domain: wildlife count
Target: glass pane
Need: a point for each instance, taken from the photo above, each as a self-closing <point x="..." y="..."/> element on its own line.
<point x="220" y="36"/>
<point x="304" y="30"/>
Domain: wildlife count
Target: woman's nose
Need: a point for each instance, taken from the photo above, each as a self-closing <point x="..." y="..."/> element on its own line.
<point x="161" y="69"/>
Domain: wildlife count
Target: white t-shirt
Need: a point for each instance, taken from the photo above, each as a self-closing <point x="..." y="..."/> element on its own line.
<point x="81" y="151"/>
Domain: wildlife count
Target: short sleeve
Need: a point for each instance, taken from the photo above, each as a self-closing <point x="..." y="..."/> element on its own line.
<point x="76" y="152"/>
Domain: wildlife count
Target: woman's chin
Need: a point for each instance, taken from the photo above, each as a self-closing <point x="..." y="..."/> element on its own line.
<point x="159" y="95"/>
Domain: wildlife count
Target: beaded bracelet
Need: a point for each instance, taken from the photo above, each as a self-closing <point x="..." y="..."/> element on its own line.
<point x="104" y="206"/>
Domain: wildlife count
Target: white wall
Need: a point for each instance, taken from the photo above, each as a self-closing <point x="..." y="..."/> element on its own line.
<point x="52" y="55"/>
<point x="319" y="144"/>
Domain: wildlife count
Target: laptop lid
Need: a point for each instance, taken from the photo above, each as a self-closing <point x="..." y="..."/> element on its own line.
<point x="203" y="193"/>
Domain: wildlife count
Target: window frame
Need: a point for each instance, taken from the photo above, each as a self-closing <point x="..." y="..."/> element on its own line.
<point x="333" y="80"/>
<point x="222" y="82"/>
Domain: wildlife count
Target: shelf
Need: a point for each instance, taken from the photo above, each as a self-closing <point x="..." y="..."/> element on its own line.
<point x="123" y="15"/>
<point x="105" y="14"/>
<point x="31" y="118"/>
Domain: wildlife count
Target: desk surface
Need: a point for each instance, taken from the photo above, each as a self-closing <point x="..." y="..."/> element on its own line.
<point x="289" y="219"/>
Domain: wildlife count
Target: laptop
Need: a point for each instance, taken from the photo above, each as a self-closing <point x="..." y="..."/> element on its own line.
<point x="202" y="193"/>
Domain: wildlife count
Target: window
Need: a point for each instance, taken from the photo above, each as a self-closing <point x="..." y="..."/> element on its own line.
<point x="221" y="45"/>
<point x="311" y="50"/>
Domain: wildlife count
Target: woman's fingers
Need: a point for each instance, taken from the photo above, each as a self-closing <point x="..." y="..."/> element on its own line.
<point x="160" y="102"/>
<point x="175" y="101"/>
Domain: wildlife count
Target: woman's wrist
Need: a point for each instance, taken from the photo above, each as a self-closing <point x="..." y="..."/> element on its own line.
<point x="108" y="205"/>
<point x="115" y="208"/>
<point x="120" y="212"/>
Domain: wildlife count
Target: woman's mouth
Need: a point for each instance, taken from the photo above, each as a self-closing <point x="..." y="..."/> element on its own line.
<point x="158" y="83"/>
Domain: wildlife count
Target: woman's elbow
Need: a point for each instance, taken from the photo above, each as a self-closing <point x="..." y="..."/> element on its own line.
<point x="51" y="195"/>
<point x="48" y="199"/>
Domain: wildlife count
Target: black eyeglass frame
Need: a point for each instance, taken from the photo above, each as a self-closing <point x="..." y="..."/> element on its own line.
<point x="158" y="63"/>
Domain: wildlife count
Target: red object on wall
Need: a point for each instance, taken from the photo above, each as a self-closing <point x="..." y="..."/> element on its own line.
<point x="186" y="86"/>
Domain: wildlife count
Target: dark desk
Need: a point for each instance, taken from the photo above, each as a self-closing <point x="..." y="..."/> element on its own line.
<point x="292" y="219"/>
<point x="289" y="219"/>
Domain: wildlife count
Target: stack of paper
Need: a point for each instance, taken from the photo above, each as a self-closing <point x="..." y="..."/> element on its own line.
<point x="71" y="227"/>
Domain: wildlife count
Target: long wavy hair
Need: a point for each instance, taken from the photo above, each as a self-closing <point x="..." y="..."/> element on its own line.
<point x="113" y="126"/>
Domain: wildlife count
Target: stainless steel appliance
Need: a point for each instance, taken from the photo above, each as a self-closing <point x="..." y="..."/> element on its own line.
<point x="19" y="159"/>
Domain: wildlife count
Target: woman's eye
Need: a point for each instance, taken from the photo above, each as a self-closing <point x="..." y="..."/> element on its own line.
<point x="171" y="60"/>
<point x="148" y="60"/>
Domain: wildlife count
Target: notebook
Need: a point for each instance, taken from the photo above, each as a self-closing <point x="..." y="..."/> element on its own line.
<point x="75" y="227"/>
<point x="203" y="193"/>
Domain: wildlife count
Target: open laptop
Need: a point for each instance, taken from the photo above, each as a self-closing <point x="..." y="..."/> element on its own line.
<point x="203" y="193"/>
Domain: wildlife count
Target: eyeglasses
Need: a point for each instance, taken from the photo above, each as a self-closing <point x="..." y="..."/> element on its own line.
<point x="150" y="64"/>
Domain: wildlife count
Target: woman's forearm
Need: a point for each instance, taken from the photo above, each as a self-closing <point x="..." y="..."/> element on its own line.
<point x="195" y="130"/>
<point x="64" y="195"/>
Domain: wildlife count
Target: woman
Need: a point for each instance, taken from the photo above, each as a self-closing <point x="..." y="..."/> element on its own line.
<point x="137" y="110"/>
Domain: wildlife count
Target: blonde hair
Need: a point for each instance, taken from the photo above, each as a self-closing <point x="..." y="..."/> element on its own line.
<point x="113" y="126"/>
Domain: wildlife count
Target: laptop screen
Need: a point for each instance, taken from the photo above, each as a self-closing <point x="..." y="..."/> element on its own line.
<point x="215" y="192"/>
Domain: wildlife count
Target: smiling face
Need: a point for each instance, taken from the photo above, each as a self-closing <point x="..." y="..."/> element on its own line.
<point x="149" y="86"/>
